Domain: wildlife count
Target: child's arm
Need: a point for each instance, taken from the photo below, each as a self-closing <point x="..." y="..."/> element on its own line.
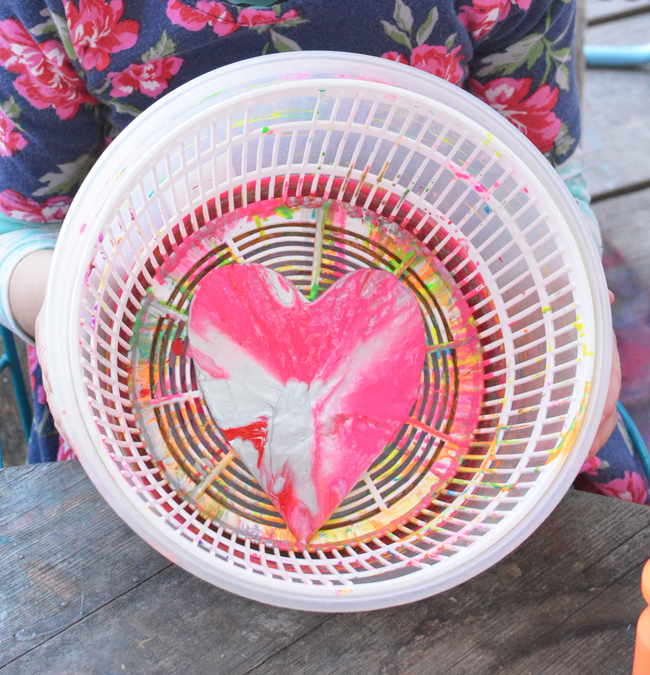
<point x="27" y="289"/>
<point x="25" y="256"/>
<point x="609" y="419"/>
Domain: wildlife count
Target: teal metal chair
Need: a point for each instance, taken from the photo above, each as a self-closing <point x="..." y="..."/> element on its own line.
<point x="637" y="439"/>
<point x="9" y="360"/>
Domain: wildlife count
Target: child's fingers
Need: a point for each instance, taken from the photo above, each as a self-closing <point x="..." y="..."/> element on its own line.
<point x="40" y="343"/>
<point x="41" y="353"/>
<point x="605" y="430"/>
<point x="610" y="416"/>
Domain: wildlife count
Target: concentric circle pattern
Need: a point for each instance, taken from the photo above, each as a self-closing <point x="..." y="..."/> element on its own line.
<point x="313" y="244"/>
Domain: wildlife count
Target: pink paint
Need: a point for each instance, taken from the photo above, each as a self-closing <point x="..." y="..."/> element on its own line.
<point x="182" y="258"/>
<point x="326" y="385"/>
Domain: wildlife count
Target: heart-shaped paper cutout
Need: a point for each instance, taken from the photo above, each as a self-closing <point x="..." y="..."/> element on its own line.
<point x="308" y="393"/>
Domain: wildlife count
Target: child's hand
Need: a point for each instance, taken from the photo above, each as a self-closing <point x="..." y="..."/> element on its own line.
<point x="610" y="416"/>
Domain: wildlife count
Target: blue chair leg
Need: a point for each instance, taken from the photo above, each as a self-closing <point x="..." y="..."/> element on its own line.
<point x="621" y="57"/>
<point x="10" y="360"/>
<point x="636" y="437"/>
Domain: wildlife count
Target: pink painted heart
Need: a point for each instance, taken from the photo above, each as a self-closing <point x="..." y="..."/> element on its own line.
<point x="308" y="393"/>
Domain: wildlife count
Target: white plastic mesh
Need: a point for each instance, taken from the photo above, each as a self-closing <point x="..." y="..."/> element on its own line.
<point x="447" y="183"/>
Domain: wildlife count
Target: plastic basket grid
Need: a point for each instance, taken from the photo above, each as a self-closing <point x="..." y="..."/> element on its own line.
<point x="416" y="166"/>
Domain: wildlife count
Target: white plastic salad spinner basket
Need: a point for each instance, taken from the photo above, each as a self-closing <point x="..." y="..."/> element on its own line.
<point x="423" y="160"/>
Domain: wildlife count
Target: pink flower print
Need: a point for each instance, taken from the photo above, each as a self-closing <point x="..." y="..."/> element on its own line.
<point x="438" y="61"/>
<point x="631" y="488"/>
<point x="150" y="78"/>
<point x="10" y="140"/>
<point x="96" y="31"/>
<point x="213" y="13"/>
<point x="32" y="364"/>
<point x="65" y="452"/>
<point x="480" y="17"/>
<point x="46" y="76"/>
<point x="591" y="466"/>
<point x="395" y="56"/>
<point x="263" y="17"/>
<point x="533" y="116"/>
<point x="41" y="397"/>
<point x="15" y="205"/>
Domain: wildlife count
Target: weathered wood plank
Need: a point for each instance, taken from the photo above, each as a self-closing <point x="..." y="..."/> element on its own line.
<point x="630" y="31"/>
<point x="10" y="478"/>
<point x="506" y="617"/>
<point x="616" y="136"/>
<point x="625" y="224"/>
<point x="597" y="638"/>
<point x="173" y="623"/>
<point x="60" y="542"/>
<point x="604" y="629"/>
<point x="535" y="608"/>
<point x="602" y="11"/>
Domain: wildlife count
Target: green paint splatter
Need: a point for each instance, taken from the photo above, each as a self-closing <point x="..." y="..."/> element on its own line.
<point x="314" y="291"/>
<point x="137" y="324"/>
<point x="258" y="224"/>
<point x="284" y="211"/>
<point x="265" y="130"/>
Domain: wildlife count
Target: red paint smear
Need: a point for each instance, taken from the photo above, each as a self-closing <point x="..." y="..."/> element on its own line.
<point x="178" y="346"/>
<point x="255" y="433"/>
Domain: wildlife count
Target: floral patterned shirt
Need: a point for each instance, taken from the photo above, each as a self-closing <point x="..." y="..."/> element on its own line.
<point x="73" y="73"/>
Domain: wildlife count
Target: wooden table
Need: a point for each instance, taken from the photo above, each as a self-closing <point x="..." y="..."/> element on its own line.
<point x="80" y="594"/>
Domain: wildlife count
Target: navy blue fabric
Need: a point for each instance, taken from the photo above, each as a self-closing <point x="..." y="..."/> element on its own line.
<point x="617" y="470"/>
<point x="483" y="41"/>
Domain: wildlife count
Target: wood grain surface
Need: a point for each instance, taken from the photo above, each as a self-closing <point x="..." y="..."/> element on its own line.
<point x="625" y="224"/>
<point x="604" y="11"/>
<point x="616" y="113"/>
<point x="565" y="602"/>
